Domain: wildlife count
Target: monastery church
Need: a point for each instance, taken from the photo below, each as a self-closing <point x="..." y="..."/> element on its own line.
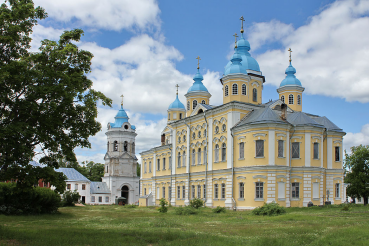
<point x="242" y="153"/>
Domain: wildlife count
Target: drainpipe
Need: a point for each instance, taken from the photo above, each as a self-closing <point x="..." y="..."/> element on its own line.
<point x="206" y="163"/>
<point x="233" y="200"/>
<point x="188" y="193"/>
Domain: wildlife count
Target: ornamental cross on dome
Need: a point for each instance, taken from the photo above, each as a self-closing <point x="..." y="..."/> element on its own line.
<point x="122" y="100"/>
<point x="242" y="20"/>
<point x="177" y="88"/>
<point x="198" y="62"/>
<point x="290" y="54"/>
<point x="235" y="37"/>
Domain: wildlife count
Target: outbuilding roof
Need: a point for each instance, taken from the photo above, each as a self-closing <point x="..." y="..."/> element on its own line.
<point x="72" y="174"/>
<point x="99" y="188"/>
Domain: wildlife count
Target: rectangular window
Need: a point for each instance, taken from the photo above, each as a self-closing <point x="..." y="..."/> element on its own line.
<point x="281" y="190"/>
<point x="163" y="163"/>
<point x="259" y="148"/>
<point x="316" y="190"/>
<point x="216" y="191"/>
<point x="158" y="165"/>
<point x="296" y="150"/>
<point x="199" y="191"/>
<point x="178" y="192"/>
<point x="205" y="155"/>
<point x="193" y="158"/>
<point x="223" y="191"/>
<point x="170" y="162"/>
<point x="144" y="191"/>
<point x="337" y="153"/>
<point x="163" y="192"/>
<point x="337" y="190"/>
<point x="83" y="187"/>
<point x="183" y="192"/>
<point x="76" y="186"/>
<point x="106" y="199"/>
<point x="204" y="186"/>
<point x="193" y="191"/>
<point x="92" y="199"/>
<point x="150" y="166"/>
<point x="259" y="186"/>
<point x="199" y="157"/>
<point x="295" y="190"/>
<point x="280" y="148"/>
<point x="157" y="193"/>
<point x="242" y="190"/>
<point x="100" y="198"/>
<point x="242" y="150"/>
<point x="170" y="192"/>
<point x="316" y="151"/>
<point x="145" y="167"/>
<point x="68" y="186"/>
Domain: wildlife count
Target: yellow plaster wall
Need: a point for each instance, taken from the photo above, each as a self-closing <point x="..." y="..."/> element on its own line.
<point x="199" y="99"/>
<point x="299" y="162"/>
<point x="281" y="161"/>
<point x="336" y="164"/>
<point x="294" y="106"/>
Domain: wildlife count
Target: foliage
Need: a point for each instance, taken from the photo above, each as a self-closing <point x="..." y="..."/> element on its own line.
<point x="46" y="98"/>
<point x="272" y="208"/>
<point x="163" y="206"/>
<point x="130" y="206"/>
<point x="138" y="170"/>
<point x="33" y="201"/>
<point x="70" y="198"/>
<point x="346" y="207"/>
<point x="186" y="210"/>
<point x="219" y="209"/>
<point x="196" y="203"/>
<point x="358" y="175"/>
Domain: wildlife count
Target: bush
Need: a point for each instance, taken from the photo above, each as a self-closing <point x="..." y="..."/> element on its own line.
<point x="35" y="200"/>
<point x="70" y="198"/>
<point x="163" y="206"/>
<point x="130" y="206"/>
<point x="196" y="203"/>
<point x="272" y="208"/>
<point x="219" y="209"/>
<point x="346" y="207"/>
<point x="186" y="210"/>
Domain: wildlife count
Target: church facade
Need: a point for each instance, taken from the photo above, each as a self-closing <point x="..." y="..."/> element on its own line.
<point x="244" y="153"/>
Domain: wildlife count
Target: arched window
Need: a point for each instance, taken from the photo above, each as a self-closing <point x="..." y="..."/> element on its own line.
<point x="193" y="157"/>
<point x="108" y="147"/>
<point x="216" y="153"/>
<point x="179" y="159"/>
<point x="224" y="152"/>
<point x="282" y="99"/>
<point x="184" y="138"/>
<point x="298" y="99"/>
<point x="199" y="156"/>
<point x="168" y="116"/>
<point x="125" y="146"/>
<point x="216" y="129"/>
<point x="290" y="99"/>
<point x="234" y="89"/>
<point x="243" y="89"/>
<point x="133" y="148"/>
<point x="205" y="155"/>
<point x="205" y="133"/>
<point x="180" y="116"/>
<point x="203" y="102"/>
<point x="255" y="95"/>
<point x="179" y="139"/>
<point x="226" y="90"/>
<point x="199" y="134"/>
<point x="145" y="167"/>
<point x="224" y="127"/>
<point x="194" y="104"/>
<point x="150" y="167"/>
<point x="184" y="159"/>
<point x="193" y="135"/>
<point x="115" y="146"/>
<point x="188" y="105"/>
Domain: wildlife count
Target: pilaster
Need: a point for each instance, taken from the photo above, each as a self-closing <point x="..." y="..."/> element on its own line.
<point x="271" y="155"/>
<point x="210" y="145"/>
<point x="271" y="187"/>
<point x="307" y="149"/>
<point x="307" y="189"/>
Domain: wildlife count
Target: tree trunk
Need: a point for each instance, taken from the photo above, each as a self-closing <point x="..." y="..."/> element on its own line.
<point x="365" y="200"/>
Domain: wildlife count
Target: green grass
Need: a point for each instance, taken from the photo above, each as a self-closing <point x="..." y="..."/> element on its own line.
<point x="117" y="225"/>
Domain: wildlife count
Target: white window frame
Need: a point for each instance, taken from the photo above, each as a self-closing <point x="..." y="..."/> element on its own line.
<point x="292" y="150"/>
<point x="259" y="190"/>
<point x="241" y="148"/>
<point x="241" y="188"/>
<point x="234" y="89"/>
<point x="295" y="190"/>
<point x="281" y="146"/>
<point x="244" y="89"/>
<point x="257" y="154"/>
<point x="216" y="187"/>
<point x="290" y="99"/>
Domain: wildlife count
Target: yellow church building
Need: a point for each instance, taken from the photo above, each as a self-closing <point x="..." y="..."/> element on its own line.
<point x="244" y="153"/>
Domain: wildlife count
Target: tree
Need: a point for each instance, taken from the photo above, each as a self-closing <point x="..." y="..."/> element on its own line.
<point x="47" y="105"/>
<point x="91" y="170"/>
<point x="357" y="175"/>
<point x="138" y="170"/>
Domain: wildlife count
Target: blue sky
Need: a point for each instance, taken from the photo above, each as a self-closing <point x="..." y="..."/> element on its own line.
<point x="143" y="48"/>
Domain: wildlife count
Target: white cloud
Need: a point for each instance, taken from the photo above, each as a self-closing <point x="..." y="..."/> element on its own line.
<point x="108" y="14"/>
<point x="329" y="53"/>
<point x="355" y="139"/>
<point x="40" y="33"/>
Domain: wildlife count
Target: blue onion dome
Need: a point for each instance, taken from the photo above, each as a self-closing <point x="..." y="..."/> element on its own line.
<point x="290" y="77"/>
<point x="248" y="62"/>
<point x="176" y="104"/>
<point x="120" y="118"/>
<point x="197" y="85"/>
<point x="236" y="66"/>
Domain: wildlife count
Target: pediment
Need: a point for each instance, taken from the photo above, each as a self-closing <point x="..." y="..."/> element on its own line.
<point x="198" y="107"/>
<point x="279" y="103"/>
<point x="166" y="129"/>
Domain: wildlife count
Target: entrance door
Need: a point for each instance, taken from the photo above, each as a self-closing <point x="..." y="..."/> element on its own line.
<point x="125" y="194"/>
<point x="83" y="199"/>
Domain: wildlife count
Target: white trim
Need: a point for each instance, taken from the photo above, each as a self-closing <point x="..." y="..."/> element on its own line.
<point x="259" y="135"/>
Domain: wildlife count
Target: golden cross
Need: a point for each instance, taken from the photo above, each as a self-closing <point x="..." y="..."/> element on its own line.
<point x="122" y="100"/>
<point x="198" y="62"/>
<point x="235" y="37"/>
<point x="290" y="54"/>
<point x="177" y="88"/>
<point x="242" y="20"/>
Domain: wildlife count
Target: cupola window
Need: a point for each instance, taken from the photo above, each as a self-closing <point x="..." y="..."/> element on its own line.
<point x="298" y="99"/>
<point x="290" y="99"/>
<point x="205" y="133"/>
<point x="234" y="89"/>
<point x="180" y="116"/>
<point x="125" y="146"/>
<point x="255" y="95"/>
<point x="226" y="91"/>
<point x="243" y="89"/>
<point x="188" y="105"/>
<point x="168" y="116"/>
<point x="194" y="104"/>
<point x="115" y="146"/>
<point x="282" y="99"/>
<point x="203" y="102"/>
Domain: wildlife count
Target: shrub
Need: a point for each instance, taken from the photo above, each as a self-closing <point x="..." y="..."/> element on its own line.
<point x="219" y="209"/>
<point x="163" y="206"/>
<point x="187" y="210"/>
<point x="70" y="198"/>
<point x="272" y="208"/>
<point x="35" y="200"/>
<point x="196" y="203"/>
<point x="346" y="207"/>
<point x="130" y="206"/>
